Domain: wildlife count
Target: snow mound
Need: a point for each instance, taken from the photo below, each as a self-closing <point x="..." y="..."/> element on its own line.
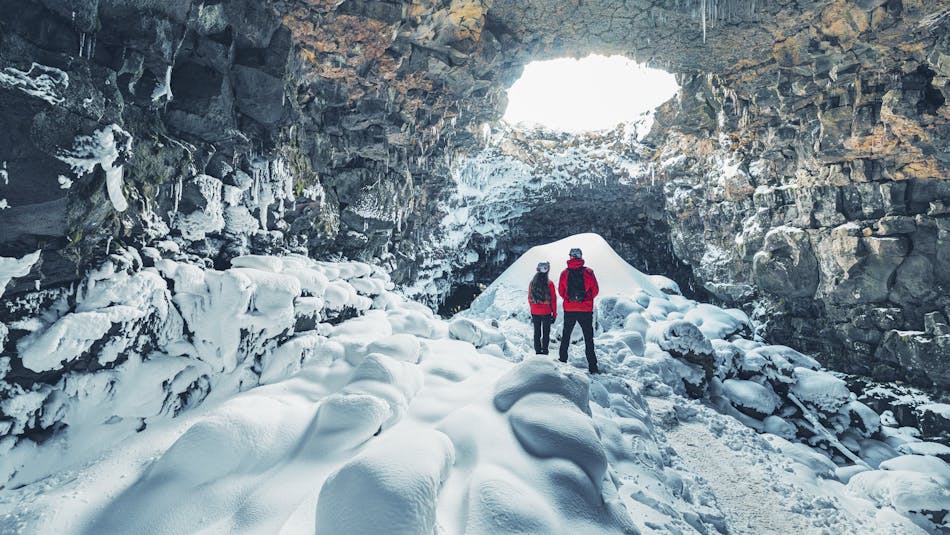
<point x="914" y="494"/>
<point x="390" y="487"/>
<point x="506" y="295"/>
<point x="541" y="375"/>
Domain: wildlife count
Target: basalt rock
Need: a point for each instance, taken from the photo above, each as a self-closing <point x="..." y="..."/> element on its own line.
<point x="838" y="143"/>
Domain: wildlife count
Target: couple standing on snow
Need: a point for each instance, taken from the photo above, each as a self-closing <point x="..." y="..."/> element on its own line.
<point x="578" y="287"/>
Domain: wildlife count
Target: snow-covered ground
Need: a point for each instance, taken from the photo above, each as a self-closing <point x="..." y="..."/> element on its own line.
<point x="399" y="422"/>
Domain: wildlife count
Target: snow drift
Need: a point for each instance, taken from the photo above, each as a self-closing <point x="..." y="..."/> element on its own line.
<point x="290" y="396"/>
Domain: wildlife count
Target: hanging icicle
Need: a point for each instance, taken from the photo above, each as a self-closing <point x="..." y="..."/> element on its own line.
<point x="703" y="9"/>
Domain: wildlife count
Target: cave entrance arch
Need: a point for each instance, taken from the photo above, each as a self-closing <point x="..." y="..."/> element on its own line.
<point x="566" y="159"/>
<point x="595" y="92"/>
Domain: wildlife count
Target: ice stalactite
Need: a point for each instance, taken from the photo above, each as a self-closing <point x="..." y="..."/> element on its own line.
<point x="105" y="147"/>
<point x="703" y="9"/>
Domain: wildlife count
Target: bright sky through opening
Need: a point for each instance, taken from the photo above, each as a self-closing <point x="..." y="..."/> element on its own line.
<point x="593" y="93"/>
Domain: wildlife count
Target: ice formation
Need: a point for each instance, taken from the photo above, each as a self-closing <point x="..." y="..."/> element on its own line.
<point x="11" y="268"/>
<point x="107" y="148"/>
<point x="499" y="184"/>
<point x="296" y="396"/>
<point x="40" y="81"/>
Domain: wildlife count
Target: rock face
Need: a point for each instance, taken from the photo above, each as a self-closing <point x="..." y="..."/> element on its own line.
<point x="803" y="168"/>
<point x="814" y="184"/>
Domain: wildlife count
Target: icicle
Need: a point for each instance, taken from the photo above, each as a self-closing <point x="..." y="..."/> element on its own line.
<point x="703" y="8"/>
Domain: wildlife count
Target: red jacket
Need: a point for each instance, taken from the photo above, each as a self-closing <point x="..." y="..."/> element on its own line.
<point x="590" y="287"/>
<point x="542" y="309"/>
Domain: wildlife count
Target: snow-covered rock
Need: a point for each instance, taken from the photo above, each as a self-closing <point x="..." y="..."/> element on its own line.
<point x="331" y="404"/>
<point x="752" y="396"/>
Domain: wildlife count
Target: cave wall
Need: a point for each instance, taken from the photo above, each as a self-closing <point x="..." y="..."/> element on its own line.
<point x="240" y="126"/>
<point x="813" y="187"/>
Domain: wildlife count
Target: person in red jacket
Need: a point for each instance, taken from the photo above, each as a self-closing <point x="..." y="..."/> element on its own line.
<point x="543" y="301"/>
<point x="578" y="287"/>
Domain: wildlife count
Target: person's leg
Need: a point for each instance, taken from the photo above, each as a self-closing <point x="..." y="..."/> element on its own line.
<point x="536" y="321"/>
<point x="587" y="326"/>
<point x="545" y="333"/>
<point x="569" y="320"/>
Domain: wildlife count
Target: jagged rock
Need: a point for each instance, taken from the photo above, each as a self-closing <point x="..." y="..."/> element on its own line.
<point x="923" y="355"/>
<point x="786" y="265"/>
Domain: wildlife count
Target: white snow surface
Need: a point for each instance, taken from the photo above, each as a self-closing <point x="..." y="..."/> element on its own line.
<point x="240" y="416"/>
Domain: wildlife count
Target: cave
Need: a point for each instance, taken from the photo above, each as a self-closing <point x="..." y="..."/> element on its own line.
<point x="799" y="179"/>
<point x="361" y="116"/>
<point x="566" y="159"/>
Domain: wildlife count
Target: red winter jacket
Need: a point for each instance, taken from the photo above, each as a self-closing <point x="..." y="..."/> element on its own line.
<point x="590" y="286"/>
<point x="543" y="309"/>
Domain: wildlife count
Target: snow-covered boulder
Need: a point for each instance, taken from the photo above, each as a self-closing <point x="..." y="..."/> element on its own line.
<point x="758" y="400"/>
<point x="820" y="390"/>
<point x="475" y="332"/>
<point x="917" y="495"/>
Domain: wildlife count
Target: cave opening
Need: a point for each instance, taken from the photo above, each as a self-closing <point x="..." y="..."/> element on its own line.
<point x="587" y="94"/>
<point x="567" y="158"/>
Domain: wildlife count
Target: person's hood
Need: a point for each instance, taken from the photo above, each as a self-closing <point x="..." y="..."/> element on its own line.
<point x="575" y="263"/>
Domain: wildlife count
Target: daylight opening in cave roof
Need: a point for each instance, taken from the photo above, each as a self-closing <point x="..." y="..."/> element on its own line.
<point x="592" y="93"/>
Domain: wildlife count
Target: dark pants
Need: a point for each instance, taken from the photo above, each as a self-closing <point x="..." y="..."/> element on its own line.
<point x="586" y="321"/>
<point x="542" y="332"/>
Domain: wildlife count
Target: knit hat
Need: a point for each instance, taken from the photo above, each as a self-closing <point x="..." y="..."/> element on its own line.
<point x="543" y="267"/>
<point x="576" y="253"/>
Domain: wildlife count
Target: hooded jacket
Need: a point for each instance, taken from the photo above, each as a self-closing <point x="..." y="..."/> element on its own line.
<point x="590" y="287"/>
<point x="543" y="309"/>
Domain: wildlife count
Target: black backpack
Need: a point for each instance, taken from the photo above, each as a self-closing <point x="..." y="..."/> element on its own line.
<point x="575" y="285"/>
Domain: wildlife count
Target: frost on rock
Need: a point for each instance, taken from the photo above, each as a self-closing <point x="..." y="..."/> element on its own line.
<point x="40" y="81"/>
<point x="204" y="212"/>
<point x="107" y="147"/>
<point x="501" y="183"/>
<point x="11" y="268"/>
<point x="164" y="87"/>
